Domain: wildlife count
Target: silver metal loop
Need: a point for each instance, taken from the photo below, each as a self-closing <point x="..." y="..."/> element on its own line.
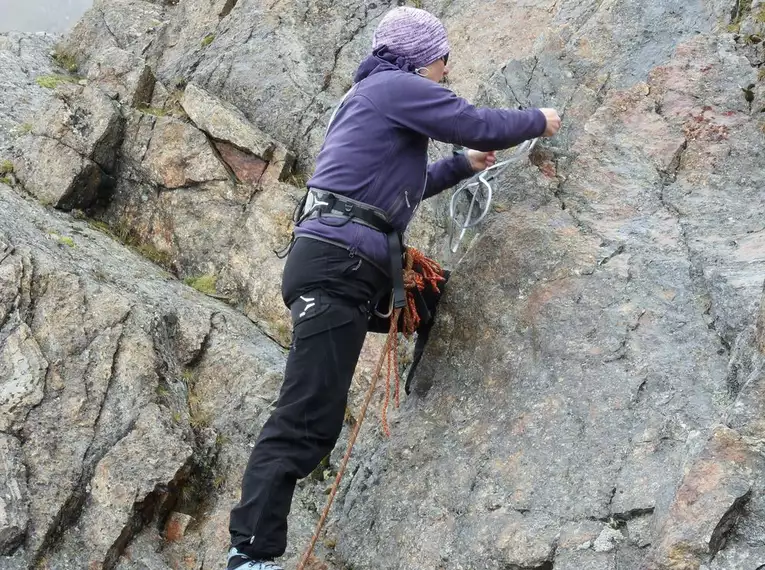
<point x="474" y="186"/>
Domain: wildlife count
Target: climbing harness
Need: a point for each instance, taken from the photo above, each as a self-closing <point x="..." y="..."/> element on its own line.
<point x="339" y="210"/>
<point x="479" y="192"/>
<point x="418" y="272"/>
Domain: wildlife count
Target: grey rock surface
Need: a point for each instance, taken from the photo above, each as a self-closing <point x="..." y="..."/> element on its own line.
<point x="125" y="473"/>
<point x="23" y="58"/>
<point x="129" y="25"/>
<point x="178" y="155"/>
<point x="71" y="148"/>
<point x="119" y="429"/>
<point x="56" y="174"/>
<point x="85" y="120"/>
<point x="22" y="369"/>
<point x="592" y="395"/>
<point x="14" y="514"/>
<point x="224" y="121"/>
<point x="123" y="76"/>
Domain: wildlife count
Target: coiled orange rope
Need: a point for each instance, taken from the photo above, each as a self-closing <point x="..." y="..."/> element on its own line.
<point x="419" y="270"/>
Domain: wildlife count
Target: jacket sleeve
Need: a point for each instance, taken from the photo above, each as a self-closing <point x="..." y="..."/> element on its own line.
<point x="445" y="173"/>
<point x="428" y="108"/>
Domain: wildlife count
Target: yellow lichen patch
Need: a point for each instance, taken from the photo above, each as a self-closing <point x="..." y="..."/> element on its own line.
<point x="204" y="283"/>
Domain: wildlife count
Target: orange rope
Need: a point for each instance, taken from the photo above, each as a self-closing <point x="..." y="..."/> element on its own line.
<point x="418" y="270"/>
<point x="393" y="333"/>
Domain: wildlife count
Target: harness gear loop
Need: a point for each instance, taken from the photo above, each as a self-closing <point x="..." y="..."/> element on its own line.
<point x="418" y="272"/>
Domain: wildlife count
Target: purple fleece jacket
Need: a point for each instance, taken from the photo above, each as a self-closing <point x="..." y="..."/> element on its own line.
<point x="376" y="149"/>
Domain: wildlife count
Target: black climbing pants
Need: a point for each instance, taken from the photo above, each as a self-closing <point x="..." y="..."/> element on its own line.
<point x="326" y="290"/>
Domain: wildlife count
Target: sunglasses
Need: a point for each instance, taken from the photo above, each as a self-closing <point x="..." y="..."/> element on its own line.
<point x="446" y="59"/>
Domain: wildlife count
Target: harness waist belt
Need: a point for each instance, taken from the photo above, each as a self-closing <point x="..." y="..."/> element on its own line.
<point x="319" y="203"/>
<point x="325" y="203"/>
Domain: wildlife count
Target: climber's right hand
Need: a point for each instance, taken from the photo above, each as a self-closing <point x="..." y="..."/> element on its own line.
<point x="553" y="122"/>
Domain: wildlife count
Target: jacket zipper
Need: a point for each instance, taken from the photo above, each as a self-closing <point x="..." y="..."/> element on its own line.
<point x="398" y="205"/>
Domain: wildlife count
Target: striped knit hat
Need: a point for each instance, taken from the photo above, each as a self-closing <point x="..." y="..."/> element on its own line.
<point x="412" y="33"/>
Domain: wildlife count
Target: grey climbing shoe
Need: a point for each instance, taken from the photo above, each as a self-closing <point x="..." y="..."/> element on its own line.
<point x="239" y="561"/>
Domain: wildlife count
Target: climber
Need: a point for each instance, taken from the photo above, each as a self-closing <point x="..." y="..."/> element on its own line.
<point x="371" y="174"/>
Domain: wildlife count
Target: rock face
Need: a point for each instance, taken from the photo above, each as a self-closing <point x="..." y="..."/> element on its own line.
<point x="594" y="391"/>
<point x="123" y="76"/>
<point x="584" y="356"/>
<point x="207" y="207"/>
<point x="224" y="121"/>
<point x="23" y="57"/>
<point x="14" y="514"/>
<point x="106" y="413"/>
<point x="71" y="149"/>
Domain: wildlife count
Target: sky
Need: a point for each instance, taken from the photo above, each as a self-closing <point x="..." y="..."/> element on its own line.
<point x="41" y="15"/>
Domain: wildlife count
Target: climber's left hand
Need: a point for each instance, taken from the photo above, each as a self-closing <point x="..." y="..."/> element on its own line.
<point x="481" y="160"/>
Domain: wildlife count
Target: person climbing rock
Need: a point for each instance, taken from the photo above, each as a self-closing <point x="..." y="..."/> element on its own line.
<point x="371" y="174"/>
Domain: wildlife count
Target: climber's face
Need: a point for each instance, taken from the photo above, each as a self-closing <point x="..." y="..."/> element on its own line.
<point x="437" y="70"/>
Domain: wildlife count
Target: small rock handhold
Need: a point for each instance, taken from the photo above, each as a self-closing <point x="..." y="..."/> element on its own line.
<point x="247" y="167"/>
<point x="607" y="539"/>
<point x="223" y="121"/>
<point x="14" y="510"/>
<point x="176" y="526"/>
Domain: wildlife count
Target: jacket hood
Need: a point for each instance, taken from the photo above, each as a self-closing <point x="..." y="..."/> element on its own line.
<point x="382" y="60"/>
